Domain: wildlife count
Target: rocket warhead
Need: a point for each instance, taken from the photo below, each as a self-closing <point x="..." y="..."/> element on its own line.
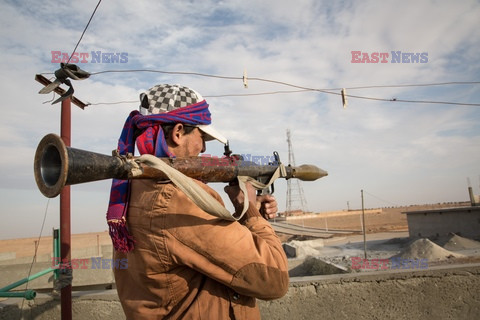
<point x="308" y="172"/>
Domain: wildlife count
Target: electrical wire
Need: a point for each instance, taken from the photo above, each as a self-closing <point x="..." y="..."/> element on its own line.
<point x="36" y="249"/>
<point x="282" y="82"/>
<point x="168" y="72"/>
<point x="415" y="101"/>
<point x="109" y="103"/>
<point x="394" y="204"/>
<point x="255" y="94"/>
<point x="84" y="30"/>
<point x="411" y="85"/>
<point x="328" y="91"/>
<point x="301" y="88"/>
<point x="53" y="98"/>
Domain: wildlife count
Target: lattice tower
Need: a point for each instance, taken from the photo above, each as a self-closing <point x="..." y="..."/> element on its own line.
<point x="295" y="197"/>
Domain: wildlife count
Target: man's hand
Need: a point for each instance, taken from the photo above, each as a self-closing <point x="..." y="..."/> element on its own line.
<point x="267" y="205"/>
<point x="237" y="197"/>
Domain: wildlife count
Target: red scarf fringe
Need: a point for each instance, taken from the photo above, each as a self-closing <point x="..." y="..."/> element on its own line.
<point x="121" y="239"/>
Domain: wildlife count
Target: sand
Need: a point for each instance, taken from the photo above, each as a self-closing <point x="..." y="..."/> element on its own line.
<point x="426" y="249"/>
<point x="312" y="266"/>
<point x="456" y="243"/>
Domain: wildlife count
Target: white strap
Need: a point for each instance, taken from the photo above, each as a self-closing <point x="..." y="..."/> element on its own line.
<point x="196" y="193"/>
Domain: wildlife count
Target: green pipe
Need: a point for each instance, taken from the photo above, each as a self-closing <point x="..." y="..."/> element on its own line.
<point x="56" y="251"/>
<point x="25" y="280"/>
<point x="28" y="294"/>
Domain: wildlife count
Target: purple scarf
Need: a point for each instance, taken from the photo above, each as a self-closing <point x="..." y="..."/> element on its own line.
<point x="151" y="141"/>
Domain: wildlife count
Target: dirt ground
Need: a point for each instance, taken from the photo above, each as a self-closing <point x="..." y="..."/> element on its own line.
<point x="382" y="220"/>
<point x="25" y="247"/>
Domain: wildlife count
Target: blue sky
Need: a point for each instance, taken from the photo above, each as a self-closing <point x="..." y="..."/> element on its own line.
<point x="400" y="153"/>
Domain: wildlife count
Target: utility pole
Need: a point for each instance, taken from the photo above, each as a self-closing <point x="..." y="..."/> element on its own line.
<point x="65" y="229"/>
<point x="65" y="226"/>
<point x="363" y="228"/>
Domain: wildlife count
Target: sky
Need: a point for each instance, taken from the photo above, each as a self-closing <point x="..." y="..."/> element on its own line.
<point x="399" y="153"/>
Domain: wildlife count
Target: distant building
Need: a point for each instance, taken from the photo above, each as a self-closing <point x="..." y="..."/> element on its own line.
<point x="463" y="221"/>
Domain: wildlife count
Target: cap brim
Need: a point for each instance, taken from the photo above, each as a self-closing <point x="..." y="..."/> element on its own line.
<point x="212" y="134"/>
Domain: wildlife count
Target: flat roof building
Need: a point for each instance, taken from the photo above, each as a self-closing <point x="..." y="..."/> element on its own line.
<point x="463" y="221"/>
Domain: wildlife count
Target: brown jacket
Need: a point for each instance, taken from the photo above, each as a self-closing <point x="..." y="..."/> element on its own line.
<point x="188" y="264"/>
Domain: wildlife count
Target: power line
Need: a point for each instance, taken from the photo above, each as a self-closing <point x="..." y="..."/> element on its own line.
<point x="304" y="89"/>
<point x="37" y="244"/>
<point x="255" y="94"/>
<point x="411" y="85"/>
<point x="280" y="82"/>
<point x="84" y="30"/>
<point x="168" y="72"/>
<point x="368" y="98"/>
<point x="286" y="83"/>
<point x="394" y="204"/>
<point x="297" y="91"/>
<point x="109" y="103"/>
<point x="414" y="101"/>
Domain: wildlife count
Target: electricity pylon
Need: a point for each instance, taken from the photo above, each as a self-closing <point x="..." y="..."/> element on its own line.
<point x="295" y="197"/>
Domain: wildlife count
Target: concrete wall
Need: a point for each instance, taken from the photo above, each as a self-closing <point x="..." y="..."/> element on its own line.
<point x="85" y="273"/>
<point x="440" y="222"/>
<point x="441" y="293"/>
<point x="437" y="293"/>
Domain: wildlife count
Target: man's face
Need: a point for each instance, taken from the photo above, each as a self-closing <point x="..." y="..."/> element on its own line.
<point x="192" y="144"/>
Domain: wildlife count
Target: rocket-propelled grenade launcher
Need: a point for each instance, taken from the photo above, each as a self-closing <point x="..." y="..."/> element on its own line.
<point x="56" y="166"/>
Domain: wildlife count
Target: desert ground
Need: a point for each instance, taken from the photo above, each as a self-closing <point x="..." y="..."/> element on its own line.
<point x="379" y="220"/>
<point x="376" y="219"/>
<point x="25" y="247"/>
<point x="386" y="220"/>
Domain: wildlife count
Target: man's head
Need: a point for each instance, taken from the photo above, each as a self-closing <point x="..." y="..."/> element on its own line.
<point x="182" y="139"/>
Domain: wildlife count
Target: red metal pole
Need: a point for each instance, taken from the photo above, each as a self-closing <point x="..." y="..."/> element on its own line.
<point x="65" y="237"/>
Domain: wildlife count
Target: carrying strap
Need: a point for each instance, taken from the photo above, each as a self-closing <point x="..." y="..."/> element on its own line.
<point x="196" y="193"/>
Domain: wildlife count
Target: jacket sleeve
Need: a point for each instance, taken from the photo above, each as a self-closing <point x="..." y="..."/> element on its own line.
<point x="248" y="258"/>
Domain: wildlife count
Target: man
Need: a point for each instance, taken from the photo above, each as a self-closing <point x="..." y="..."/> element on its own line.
<point x="184" y="263"/>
